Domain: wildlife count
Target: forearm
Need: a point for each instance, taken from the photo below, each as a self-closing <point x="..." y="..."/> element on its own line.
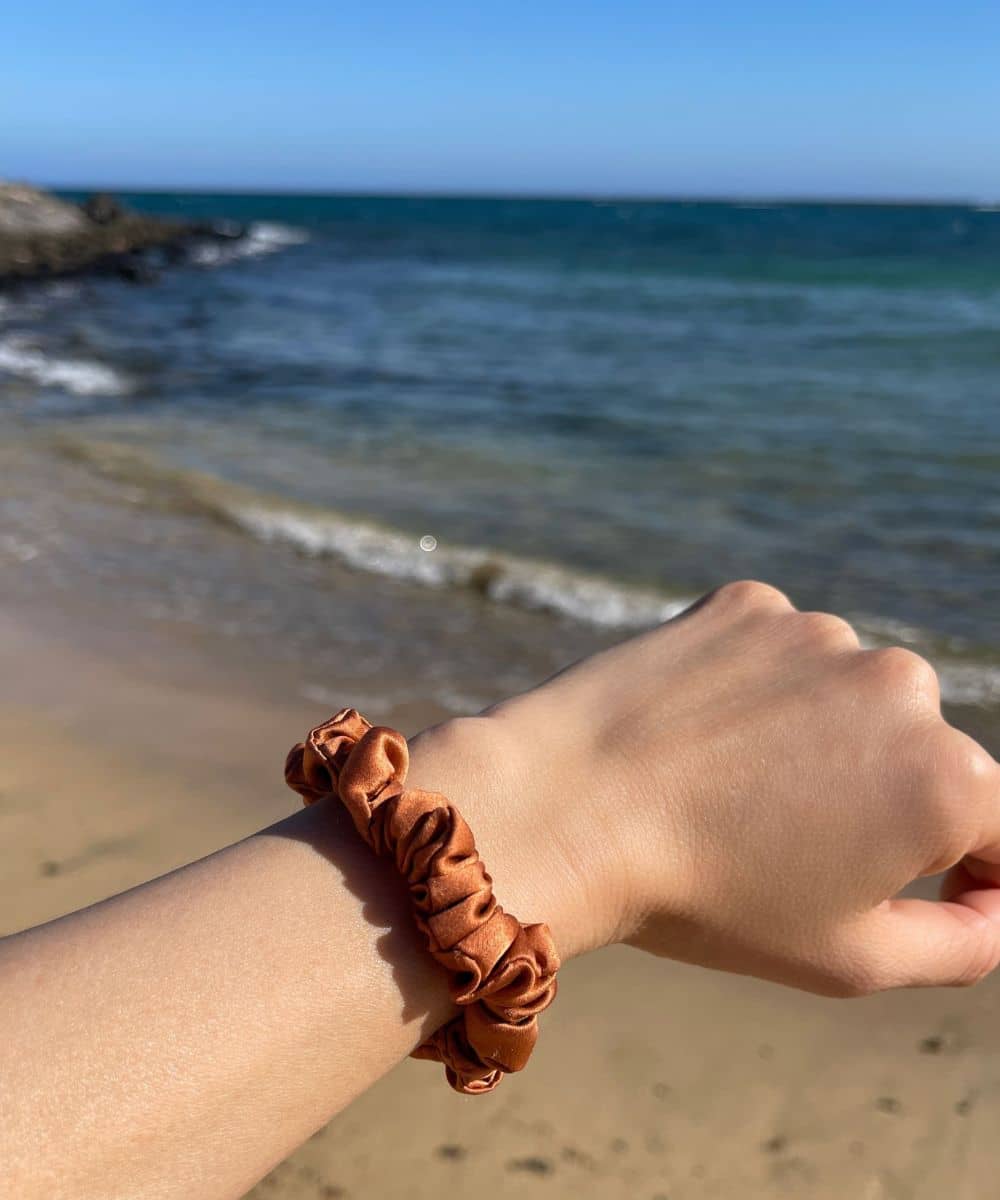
<point x="185" y="1036"/>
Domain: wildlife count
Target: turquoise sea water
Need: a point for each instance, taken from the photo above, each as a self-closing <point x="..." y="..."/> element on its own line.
<point x="596" y="408"/>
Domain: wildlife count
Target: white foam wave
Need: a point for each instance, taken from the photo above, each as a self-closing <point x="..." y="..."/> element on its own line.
<point x="880" y="631"/>
<point x="584" y="598"/>
<point x="76" y="375"/>
<point x="17" y="548"/>
<point x="969" y="683"/>
<point x="262" y="237"/>
<point x="506" y="580"/>
<point x="546" y="587"/>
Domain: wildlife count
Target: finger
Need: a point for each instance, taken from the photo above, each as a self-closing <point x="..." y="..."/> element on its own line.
<point x="926" y="943"/>
<point x="972" y="775"/>
<point x="961" y="783"/>
<point x="969" y="875"/>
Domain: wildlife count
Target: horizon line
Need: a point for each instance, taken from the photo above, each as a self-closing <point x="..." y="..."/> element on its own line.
<point x="749" y="198"/>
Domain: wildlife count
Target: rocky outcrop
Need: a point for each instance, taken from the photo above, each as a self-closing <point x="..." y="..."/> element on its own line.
<point x="27" y="212"/>
<point x="43" y="237"/>
<point x="102" y="209"/>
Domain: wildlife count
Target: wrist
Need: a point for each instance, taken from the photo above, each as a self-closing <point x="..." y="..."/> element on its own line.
<point x="545" y="867"/>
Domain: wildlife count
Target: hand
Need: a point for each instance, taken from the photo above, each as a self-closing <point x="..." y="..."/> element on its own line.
<point x="743" y="788"/>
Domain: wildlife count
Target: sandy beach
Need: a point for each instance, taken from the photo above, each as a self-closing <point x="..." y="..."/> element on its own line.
<point x="653" y="1079"/>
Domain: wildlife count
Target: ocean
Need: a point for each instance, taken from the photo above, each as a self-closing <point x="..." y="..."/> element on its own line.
<point x="439" y="446"/>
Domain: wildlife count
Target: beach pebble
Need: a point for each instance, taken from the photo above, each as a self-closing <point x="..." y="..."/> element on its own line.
<point x="532" y="1164"/>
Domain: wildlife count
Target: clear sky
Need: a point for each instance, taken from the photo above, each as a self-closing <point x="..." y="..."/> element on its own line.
<point x="872" y="98"/>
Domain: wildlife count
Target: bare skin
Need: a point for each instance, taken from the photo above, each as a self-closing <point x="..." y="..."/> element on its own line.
<point x="742" y="788"/>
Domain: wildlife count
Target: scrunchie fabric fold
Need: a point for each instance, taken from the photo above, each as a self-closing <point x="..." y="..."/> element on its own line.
<point x="502" y="973"/>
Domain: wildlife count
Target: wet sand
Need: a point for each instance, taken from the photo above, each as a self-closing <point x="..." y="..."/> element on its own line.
<point x="653" y="1079"/>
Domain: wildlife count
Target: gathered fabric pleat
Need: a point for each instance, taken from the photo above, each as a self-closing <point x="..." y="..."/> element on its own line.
<point x="502" y="974"/>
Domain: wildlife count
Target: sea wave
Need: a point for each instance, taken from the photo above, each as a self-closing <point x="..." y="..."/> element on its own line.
<point x="969" y="683"/>
<point x="366" y="546"/>
<point x="262" y="237"/>
<point x="504" y="579"/>
<point x="82" y="377"/>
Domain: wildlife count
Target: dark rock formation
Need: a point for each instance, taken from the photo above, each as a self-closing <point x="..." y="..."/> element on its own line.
<point x="43" y="237"/>
<point x="102" y="209"/>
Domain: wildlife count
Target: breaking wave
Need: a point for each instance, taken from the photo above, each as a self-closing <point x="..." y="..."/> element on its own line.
<point x="82" y="377"/>
<point x="262" y="237"/>
<point x="501" y="578"/>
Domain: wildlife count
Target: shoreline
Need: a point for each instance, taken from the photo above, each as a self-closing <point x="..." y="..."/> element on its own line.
<point x="144" y="550"/>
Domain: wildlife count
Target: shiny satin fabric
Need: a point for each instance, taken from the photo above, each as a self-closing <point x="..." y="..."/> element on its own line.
<point x="502" y="973"/>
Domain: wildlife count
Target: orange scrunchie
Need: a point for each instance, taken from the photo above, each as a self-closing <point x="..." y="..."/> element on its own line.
<point x="503" y="972"/>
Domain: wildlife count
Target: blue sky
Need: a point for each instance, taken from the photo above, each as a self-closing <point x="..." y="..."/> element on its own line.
<point x="849" y="99"/>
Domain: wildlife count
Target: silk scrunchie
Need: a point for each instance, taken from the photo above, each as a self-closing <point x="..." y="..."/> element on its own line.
<point x="503" y="973"/>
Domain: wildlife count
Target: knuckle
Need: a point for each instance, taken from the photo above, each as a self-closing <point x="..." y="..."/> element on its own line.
<point x="827" y="631"/>
<point x="958" y="766"/>
<point x="750" y="594"/>
<point x="938" y="799"/>
<point x="962" y="784"/>
<point x="901" y="670"/>
<point x="977" y="769"/>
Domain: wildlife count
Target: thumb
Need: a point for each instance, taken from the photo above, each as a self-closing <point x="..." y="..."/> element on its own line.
<point x="926" y="943"/>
